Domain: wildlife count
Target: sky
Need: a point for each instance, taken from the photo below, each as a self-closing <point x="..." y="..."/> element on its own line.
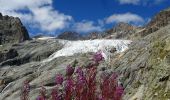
<point x="52" y="17"/>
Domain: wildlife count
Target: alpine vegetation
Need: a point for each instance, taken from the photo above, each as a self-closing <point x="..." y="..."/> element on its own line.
<point x="81" y="83"/>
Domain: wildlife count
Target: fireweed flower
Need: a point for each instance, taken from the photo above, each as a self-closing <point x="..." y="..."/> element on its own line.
<point x="69" y="87"/>
<point x="104" y="76"/>
<point x="55" y="95"/>
<point x="80" y="72"/>
<point x="69" y="70"/>
<point x="40" y="98"/>
<point x="42" y="95"/>
<point x="98" y="57"/>
<point x="59" y="79"/>
<point x="114" y="76"/>
<point x="25" y="91"/>
<point x="91" y="82"/>
<point x="105" y="88"/>
<point x="84" y="86"/>
<point x="119" y="92"/>
<point x="27" y="86"/>
<point x="81" y="89"/>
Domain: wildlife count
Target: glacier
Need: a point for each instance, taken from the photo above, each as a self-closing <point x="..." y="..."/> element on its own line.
<point x="84" y="46"/>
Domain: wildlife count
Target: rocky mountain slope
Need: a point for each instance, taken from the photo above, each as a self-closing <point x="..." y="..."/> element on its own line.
<point x="122" y="31"/>
<point x="143" y="69"/>
<point x="35" y="64"/>
<point x="161" y="19"/>
<point x="12" y="30"/>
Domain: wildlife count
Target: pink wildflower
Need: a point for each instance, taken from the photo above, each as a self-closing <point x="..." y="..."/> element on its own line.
<point x="59" y="79"/>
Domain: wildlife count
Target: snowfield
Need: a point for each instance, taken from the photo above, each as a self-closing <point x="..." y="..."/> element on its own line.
<point x="45" y="38"/>
<point x="84" y="46"/>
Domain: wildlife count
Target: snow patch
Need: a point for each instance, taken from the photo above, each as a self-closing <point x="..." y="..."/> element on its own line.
<point x="84" y="46"/>
<point x="45" y="38"/>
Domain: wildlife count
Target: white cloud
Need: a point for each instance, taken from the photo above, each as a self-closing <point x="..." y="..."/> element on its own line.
<point x="126" y="17"/>
<point x="129" y="1"/>
<point x="39" y="13"/>
<point x="86" y="26"/>
<point x="50" y="19"/>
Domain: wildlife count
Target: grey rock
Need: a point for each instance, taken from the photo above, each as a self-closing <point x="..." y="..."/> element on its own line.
<point x="11" y="53"/>
<point x="144" y="68"/>
<point x="12" y="30"/>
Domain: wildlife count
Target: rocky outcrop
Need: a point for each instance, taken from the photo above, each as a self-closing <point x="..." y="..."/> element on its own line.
<point x="12" y="30"/>
<point x="144" y="68"/>
<point x="70" y="36"/>
<point x="162" y="19"/>
<point x="11" y="53"/>
<point x="30" y="51"/>
<point x="94" y="35"/>
<point x="122" y="31"/>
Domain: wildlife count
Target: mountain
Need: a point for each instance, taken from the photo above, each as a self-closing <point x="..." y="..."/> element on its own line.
<point x="144" y="67"/>
<point x="70" y="36"/>
<point x="119" y="31"/>
<point x="122" y="31"/>
<point x="142" y="64"/>
<point x="161" y="19"/>
<point x="12" y="30"/>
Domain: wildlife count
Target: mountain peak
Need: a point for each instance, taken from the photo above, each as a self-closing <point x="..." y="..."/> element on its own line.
<point x="12" y="30"/>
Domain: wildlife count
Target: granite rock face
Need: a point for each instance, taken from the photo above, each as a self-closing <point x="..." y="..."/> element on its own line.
<point x="12" y="30"/>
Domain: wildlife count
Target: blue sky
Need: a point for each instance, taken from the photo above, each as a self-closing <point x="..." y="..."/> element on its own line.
<point x="51" y="17"/>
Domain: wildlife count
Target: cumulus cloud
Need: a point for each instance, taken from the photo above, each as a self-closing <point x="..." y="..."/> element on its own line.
<point x="126" y="17"/>
<point x="86" y="26"/>
<point x="37" y="13"/>
<point x="40" y="14"/>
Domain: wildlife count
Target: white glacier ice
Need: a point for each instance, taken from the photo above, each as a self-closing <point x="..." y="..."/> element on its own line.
<point x="83" y="46"/>
<point x="45" y="38"/>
